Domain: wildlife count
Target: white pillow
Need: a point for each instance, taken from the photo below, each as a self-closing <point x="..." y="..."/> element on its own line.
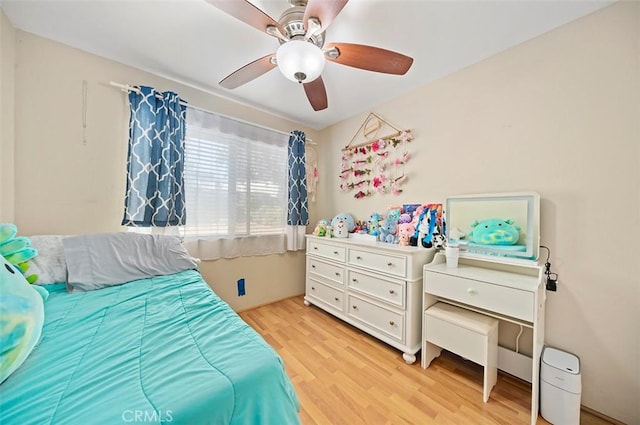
<point x="49" y="264"/>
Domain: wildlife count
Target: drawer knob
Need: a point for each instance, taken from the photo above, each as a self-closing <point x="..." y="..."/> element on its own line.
<point x="337" y="274"/>
<point x="313" y="266"/>
<point x="335" y="252"/>
<point x="355" y="307"/>
<point x="313" y="288"/>
<point x="337" y="299"/>
<point x="389" y="264"/>
<point x="391" y="291"/>
<point x="358" y="258"/>
<point x="315" y="247"/>
<point x="472" y="291"/>
<point x="354" y="280"/>
<point x="392" y="323"/>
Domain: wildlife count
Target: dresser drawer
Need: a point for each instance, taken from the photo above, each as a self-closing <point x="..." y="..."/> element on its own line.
<point x="383" y="289"/>
<point x="500" y="299"/>
<point x="337" y="253"/>
<point x="391" y="264"/>
<point x="325" y="271"/>
<point x="384" y="320"/>
<point x="326" y="294"/>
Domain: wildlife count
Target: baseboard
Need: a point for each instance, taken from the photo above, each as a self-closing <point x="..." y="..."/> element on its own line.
<point x="516" y="364"/>
<point x="599" y="415"/>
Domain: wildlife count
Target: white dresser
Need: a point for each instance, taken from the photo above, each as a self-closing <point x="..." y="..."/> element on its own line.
<point x="374" y="286"/>
<point x="509" y="292"/>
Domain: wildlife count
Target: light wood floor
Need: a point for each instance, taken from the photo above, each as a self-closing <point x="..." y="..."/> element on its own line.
<point x="344" y="376"/>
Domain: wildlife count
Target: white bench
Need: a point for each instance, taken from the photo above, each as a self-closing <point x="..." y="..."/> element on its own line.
<point x="471" y="335"/>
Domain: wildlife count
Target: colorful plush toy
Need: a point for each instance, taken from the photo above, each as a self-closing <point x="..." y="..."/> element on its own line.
<point x="405" y="231"/>
<point x="394" y="214"/>
<point x="321" y="227"/>
<point x="388" y="230"/>
<point x="340" y="229"/>
<point x="438" y="240"/>
<point x="361" y="227"/>
<point x="374" y="224"/>
<point x="16" y="250"/>
<point x="494" y="231"/>
<point x="426" y="228"/>
<point x="404" y="218"/>
<point x="22" y="313"/>
<point x="347" y="218"/>
<point x="418" y="217"/>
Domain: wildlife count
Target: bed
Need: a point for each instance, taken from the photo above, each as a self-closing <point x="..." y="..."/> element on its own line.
<point x="162" y="349"/>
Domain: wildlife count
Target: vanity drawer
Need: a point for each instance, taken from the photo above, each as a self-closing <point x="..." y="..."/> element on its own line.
<point x="381" y="319"/>
<point x="386" y="290"/>
<point x="391" y="264"/>
<point x="326" y="294"/>
<point x="327" y="271"/>
<point x="337" y="253"/>
<point x="500" y="299"/>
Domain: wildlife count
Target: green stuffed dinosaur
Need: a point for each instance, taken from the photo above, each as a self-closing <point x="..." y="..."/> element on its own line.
<point x="16" y="250"/>
<point x="22" y="313"/>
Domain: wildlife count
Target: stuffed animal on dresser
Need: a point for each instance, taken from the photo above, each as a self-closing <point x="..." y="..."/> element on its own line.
<point x="405" y="231"/>
<point x="426" y="228"/>
<point x="348" y="220"/>
<point x="374" y="224"/>
<point x="388" y="230"/>
<point x="340" y="229"/>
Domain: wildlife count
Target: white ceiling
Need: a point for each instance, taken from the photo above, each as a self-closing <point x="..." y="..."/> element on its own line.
<point x="192" y="42"/>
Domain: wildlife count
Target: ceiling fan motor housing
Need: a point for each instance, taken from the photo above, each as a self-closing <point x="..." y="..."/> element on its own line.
<point x="292" y="24"/>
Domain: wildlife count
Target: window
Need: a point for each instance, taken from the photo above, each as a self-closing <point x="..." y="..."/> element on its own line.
<point x="235" y="178"/>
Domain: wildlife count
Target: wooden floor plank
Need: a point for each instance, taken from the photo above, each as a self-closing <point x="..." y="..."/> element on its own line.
<point x="344" y="376"/>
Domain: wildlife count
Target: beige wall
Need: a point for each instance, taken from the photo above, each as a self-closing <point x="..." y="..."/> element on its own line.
<point x="560" y="115"/>
<point x="7" y="59"/>
<point x="557" y="115"/>
<point x="66" y="186"/>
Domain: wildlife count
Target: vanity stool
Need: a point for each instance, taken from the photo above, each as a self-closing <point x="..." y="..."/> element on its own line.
<point x="471" y="335"/>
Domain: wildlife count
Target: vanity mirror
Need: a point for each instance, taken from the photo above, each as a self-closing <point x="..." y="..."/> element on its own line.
<point x="497" y="225"/>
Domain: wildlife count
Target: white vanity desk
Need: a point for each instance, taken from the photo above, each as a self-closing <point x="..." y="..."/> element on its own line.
<point x="511" y="292"/>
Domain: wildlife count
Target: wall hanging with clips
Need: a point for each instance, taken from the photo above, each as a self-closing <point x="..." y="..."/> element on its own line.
<point x="376" y="165"/>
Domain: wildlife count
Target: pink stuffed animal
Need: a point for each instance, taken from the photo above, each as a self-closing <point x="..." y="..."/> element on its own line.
<point x="405" y="231"/>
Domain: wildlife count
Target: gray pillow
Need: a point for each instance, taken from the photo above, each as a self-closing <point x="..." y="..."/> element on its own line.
<point x="99" y="260"/>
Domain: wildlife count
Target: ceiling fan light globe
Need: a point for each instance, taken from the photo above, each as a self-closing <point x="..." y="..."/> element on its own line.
<point x="300" y="61"/>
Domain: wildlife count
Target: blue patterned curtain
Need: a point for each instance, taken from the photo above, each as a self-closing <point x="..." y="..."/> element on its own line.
<point x="155" y="189"/>
<point x="297" y="210"/>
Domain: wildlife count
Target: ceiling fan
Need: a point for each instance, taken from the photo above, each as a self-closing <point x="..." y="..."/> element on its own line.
<point x="303" y="53"/>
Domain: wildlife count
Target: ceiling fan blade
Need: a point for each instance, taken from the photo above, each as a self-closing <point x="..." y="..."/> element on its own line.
<point x="246" y="12"/>
<point x="370" y="58"/>
<point x="248" y="72"/>
<point x="317" y="94"/>
<point x="324" y="10"/>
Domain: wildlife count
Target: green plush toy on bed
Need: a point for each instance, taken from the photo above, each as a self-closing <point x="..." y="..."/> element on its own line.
<point x="21" y="317"/>
<point x="16" y="250"/>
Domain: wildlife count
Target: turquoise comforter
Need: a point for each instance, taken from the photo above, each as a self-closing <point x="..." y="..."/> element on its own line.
<point x="157" y="350"/>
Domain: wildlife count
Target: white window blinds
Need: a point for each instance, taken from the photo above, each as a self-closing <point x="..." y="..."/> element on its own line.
<point x="235" y="187"/>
